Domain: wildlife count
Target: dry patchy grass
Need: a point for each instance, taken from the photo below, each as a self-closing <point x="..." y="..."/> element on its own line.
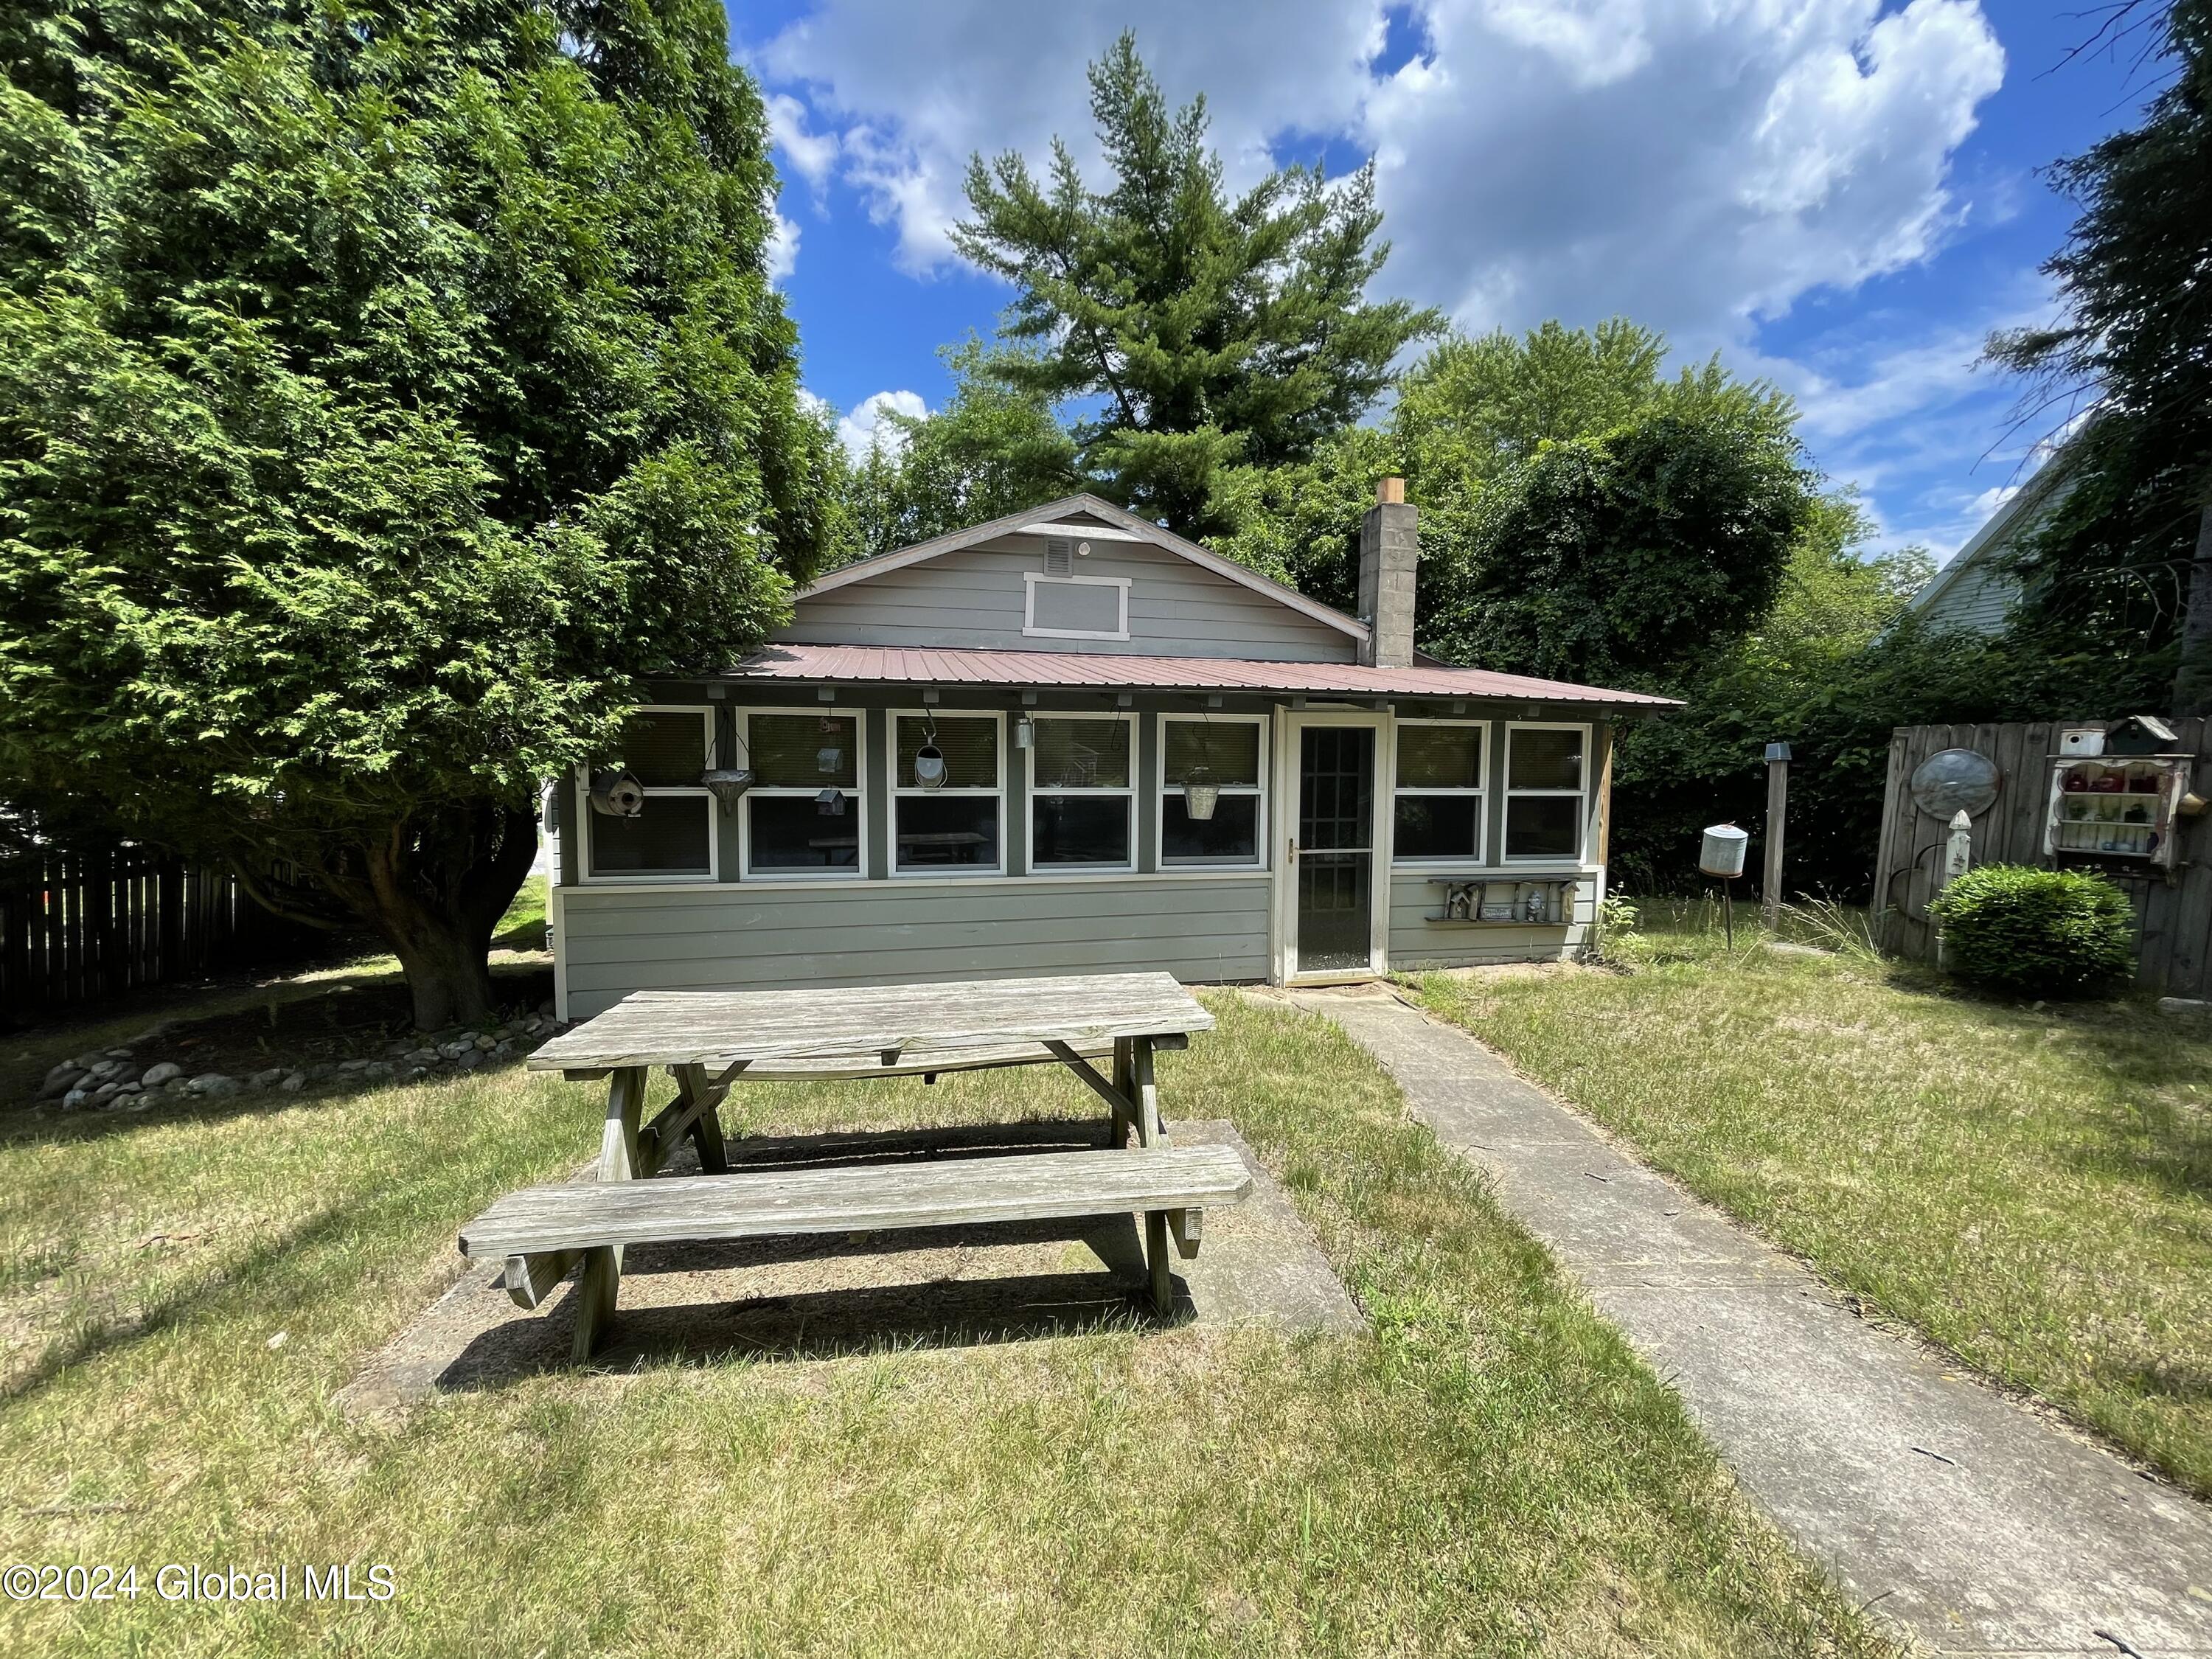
<point x="2030" y="1187"/>
<point x="1490" y="1471"/>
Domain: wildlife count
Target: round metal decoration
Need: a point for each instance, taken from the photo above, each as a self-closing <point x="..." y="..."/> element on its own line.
<point x="1954" y="780"/>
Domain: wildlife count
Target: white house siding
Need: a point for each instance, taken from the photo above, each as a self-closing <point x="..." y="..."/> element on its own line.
<point x="974" y="599"/>
<point x="1977" y="600"/>
<point x="745" y="936"/>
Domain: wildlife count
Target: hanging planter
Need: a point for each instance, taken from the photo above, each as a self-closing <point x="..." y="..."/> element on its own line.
<point x="727" y="783"/>
<point x="929" y="759"/>
<point x="1199" y="794"/>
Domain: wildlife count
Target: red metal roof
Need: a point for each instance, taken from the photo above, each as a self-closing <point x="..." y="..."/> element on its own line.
<point x="906" y="666"/>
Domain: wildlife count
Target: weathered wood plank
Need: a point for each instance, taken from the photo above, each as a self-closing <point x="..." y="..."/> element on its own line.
<point x="1145" y="1092"/>
<point x="531" y="1278"/>
<point x="667" y="1028"/>
<point x="595" y="1299"/>
<point x="1161" y="1264"/>
<point x="1187" y="1229"/>
<point x="954" y="1192"/>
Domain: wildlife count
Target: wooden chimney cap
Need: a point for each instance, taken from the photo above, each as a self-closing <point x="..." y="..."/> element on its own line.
<point x="1390" y="491"/>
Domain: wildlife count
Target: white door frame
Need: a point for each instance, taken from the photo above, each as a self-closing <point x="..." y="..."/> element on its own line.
<point x="1289" y="732"/>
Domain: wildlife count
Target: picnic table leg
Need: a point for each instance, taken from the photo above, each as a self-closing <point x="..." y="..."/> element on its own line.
<point x="1119" y="1135"/>
<point x="595" y="1300"/>
<point x="1157" y="1257"/>
<point x="1145" y="1093"/>
<point x="602" y="1279"/>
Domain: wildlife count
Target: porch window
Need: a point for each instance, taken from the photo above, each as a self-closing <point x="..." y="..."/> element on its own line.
<point x="1082" y="793"/>
<point x="1437" y="806"/>
<point x="955" y="828"/>
<point x="1547" y="782"/>
<point x="1222" y="752"/>
<point x="667" y="749"/>
<point x="803" y="814"/>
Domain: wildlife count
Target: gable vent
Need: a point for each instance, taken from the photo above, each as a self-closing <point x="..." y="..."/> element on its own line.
<point x="1059" y="557"/>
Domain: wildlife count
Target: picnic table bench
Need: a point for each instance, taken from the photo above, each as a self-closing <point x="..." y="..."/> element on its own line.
<point x="708" y="1040"/>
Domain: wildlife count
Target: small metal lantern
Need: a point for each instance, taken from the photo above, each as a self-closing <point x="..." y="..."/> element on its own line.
<point x="929" y="766"/>
<point x="1024" y="732"/>
<point x="727" y="783"/>
<point x="1199" y="794"/>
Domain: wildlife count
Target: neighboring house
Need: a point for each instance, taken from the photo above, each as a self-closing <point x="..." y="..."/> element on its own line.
<point x="1070" y="741"/>
<point x="1973" y="592"/>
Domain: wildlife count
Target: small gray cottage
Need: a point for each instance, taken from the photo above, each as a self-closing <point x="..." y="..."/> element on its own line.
<point x="1070" y="741"/>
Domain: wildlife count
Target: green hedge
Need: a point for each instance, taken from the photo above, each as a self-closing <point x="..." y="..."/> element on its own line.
<point x="2041" y="932"/>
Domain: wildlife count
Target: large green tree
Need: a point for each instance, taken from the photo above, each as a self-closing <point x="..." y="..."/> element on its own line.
<point x="1198" y="333"/>
<point x="386" y="390"/>
<point x="2126" y="561"/>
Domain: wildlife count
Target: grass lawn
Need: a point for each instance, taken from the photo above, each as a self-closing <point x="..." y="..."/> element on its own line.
<point x="2031" y="1187"/>
<point x="1490" y="1471"/>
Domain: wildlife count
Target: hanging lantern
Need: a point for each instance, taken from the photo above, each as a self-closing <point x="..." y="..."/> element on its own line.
<point x="727" y="783"/>
<point x="1024" y="732"/>
<point x="1199" y="794"/>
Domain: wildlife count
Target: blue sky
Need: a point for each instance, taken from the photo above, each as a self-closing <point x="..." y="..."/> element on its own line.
<point x="1839" y="194"/>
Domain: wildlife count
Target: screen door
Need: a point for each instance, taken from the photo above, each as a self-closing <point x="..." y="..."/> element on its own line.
<point x="1336" y="848"/>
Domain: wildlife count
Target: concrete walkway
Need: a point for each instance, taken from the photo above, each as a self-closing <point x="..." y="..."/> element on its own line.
<point x="1967" y="1518"/>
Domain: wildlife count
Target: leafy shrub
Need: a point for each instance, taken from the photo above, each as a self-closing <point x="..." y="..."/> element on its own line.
<point x="2043" y="933"/>
<point x="1617" y="944"/>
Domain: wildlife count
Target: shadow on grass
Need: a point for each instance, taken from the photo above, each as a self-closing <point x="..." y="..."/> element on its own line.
<point x="110" y="1334"/>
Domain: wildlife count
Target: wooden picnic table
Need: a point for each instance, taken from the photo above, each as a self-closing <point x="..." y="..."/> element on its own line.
<point x="707" y="1040"/>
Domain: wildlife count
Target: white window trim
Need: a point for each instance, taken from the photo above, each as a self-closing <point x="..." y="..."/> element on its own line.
<point x="856" y="797"/>
<point x="584" y="814"/>
<point x="1480" y="792"/>
<point x="1582" y="794"/>
<point x="1031" y="791"/>
<point x="1259" y="861"/>
<point x="1030" y="579"/>
<point x="901" y="792"/>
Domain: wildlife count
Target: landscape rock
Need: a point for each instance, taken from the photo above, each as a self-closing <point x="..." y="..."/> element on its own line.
<point x="377" y="1068"/>
<point x="469" y="1059"/>
<point x="505" y="1050"/>
<point x="59" y="1081"/>
<point x="106" y="1092"/>
<point x="318" y="1073"/>
<point x="213" y="1084"/>
<point x="486" y="1041"/>
<point x="356" y="1064"/>
<point x="294" y="1082"/>
<point x="157" y="1075"/>
<point x="86" y="1062"/>
<point x="421" y="1056"/>
<point x="267" y="1078"/>
<point x="75" y="1099"/>
<point x="546" y="1006"/>
<point x="454" y="1050"/>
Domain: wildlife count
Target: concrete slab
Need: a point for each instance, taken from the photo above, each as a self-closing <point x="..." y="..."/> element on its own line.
<point x="1976" y="1525"/>
<point x="816" y="1299"/>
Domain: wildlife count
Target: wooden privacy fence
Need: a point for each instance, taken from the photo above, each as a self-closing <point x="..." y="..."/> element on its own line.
<point x="79" y="926"/>
<point x="2173" y="910"/>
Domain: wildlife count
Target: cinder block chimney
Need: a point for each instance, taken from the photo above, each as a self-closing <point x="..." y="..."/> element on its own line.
<point x="1389" y="551"/>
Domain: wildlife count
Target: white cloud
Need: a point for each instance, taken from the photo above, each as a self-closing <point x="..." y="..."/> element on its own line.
<point x="863" y="426"/>
<point x="811" y="154"/>
<point x="1698" y="164"/>
<point x="782" y="249"/>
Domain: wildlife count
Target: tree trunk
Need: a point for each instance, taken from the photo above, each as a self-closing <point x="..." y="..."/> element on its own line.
<point x="435" y="887"/>
<point x="2192" y="681"/>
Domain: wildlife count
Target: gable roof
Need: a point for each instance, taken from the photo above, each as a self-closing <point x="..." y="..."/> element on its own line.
<point x="1996" y="530"/>
<point x="1109" y="523"/>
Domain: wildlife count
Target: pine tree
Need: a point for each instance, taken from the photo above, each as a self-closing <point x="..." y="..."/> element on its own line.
<point x="1207" y="332"/>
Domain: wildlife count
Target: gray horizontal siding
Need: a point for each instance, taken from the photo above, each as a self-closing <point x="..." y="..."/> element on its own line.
<point x="1416" y="942"/>
<point x="973" y="599"/>
<point x="754" y="937"/>
<point x="1978" y="602"/>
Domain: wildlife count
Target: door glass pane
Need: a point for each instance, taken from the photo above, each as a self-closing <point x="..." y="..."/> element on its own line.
<point x="1082" y="754"/>
<point x="1336" y="861"/>
<point x="1336" y="800"/>
<point x="804" y="752"/>
<point x="1440" y="757"/>
<point x="1228" y="749"/>
<point x="969" y="745"/>
<point x="1545" y="760"/>
<point x="1437" y="826"/>
<point x="665" y="750"/>
<point x="669" y="838"/>
<point x="797" y="832"/>
<point x="948" y="830"/>
<point x="1231" y="835"/>
<point x="1543" y="826"/>
<point x="1079" y="830"/>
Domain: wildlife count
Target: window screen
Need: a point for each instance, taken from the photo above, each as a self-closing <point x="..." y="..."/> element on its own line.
<point x="665" y="750"/>
<point x="1078" y="607"/>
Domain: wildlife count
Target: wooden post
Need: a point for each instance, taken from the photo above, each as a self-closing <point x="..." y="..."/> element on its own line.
<point x="1778" y="807"/>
